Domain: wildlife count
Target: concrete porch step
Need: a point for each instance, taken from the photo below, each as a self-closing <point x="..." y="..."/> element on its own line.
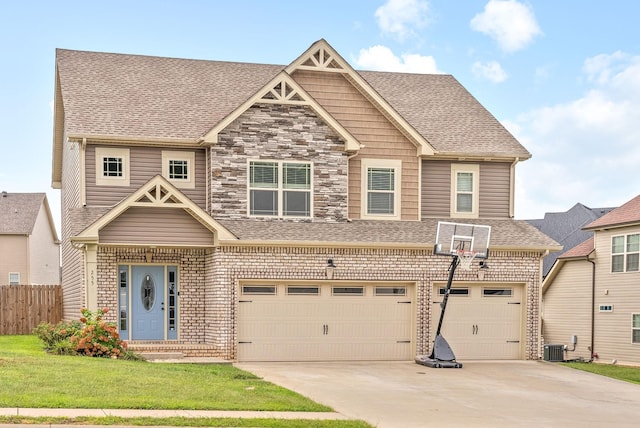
<point x="162" y="355"/>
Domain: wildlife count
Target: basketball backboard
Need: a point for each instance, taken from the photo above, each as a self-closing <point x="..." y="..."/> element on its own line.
<point x="451" y="238"/>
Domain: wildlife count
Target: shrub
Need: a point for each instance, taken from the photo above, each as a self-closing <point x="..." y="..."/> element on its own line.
<point x="98" y="338"/>
<point x="91" y="336"/>
<point x="52" y="335"/>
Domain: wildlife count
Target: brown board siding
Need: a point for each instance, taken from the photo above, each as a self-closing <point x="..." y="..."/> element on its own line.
<point x="156" y="226"/>
<point x="145" y="163"/>
<point x="494" y="189"/>
<point x="381" y="138"/>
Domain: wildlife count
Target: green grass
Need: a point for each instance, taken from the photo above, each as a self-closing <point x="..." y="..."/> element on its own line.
<point x="626" y="373"/>
<point x="29" y="377"/>
<point x="32" y="378"/>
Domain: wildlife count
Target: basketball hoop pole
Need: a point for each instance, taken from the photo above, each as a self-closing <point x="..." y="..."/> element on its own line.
<point x="441" y="353"/>
<point x="452" y="269"/>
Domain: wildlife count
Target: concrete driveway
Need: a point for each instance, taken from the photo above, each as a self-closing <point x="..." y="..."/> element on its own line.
<point x="481" y="394"/>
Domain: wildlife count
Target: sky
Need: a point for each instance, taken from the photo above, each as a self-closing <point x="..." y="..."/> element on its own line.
<point x="562" y="76"/>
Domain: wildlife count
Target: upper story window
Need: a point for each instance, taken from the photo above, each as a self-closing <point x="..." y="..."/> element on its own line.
<point x="635" y="328"/>
<point x="179" y="168"/>
<point x="14" y="278"/>
<point x="112" y="166"/>
<point x="625" y="253"/>
<point x="464" y="190"/>
<point x="381" y="188"/>
<point x="280" y="189"/>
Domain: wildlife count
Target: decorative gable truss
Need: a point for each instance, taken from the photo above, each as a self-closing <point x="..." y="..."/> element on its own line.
<point x="282" y="89"/>
<point x="322" y="57"/>
<point x="156" y="193"/>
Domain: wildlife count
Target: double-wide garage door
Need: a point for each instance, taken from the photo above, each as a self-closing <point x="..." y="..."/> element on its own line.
<point x="324" y="322"/>
<point x="481" y="321"/>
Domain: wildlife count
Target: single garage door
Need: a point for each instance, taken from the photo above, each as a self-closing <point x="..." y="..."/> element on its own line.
<point x="482" y="322"/>
<point x="325" y="322"/>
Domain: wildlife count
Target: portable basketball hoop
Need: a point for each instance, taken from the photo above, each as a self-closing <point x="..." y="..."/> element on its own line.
<point x="465" y="258"/>
<point x="464" y="243"/>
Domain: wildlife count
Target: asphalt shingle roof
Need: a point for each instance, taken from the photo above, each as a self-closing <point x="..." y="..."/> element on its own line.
<point x="119" y="95"/>
<point x="628" y="213"/>
<point x="505" y="233"/>
<point x="18" y="212"/>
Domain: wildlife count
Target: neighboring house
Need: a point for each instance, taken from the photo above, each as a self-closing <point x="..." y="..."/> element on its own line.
<point x="592" y="291"/>
<point x="566" y="229"/>
<point x="29" y="244"/>
<point x="265" y="212"/>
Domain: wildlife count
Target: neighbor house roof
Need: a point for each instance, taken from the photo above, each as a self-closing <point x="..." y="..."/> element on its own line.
<point x="567" y="228"/>
<point x="107" y="95"/>
<point x="19" y="211"/>
<point x="625" y="215"/>
<point x="581" y="250"/>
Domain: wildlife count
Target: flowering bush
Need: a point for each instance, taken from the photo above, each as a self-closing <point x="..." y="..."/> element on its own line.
<point x="91" y="336"/>
<point x="56" y="337"/>
<point x="98" y="338"/>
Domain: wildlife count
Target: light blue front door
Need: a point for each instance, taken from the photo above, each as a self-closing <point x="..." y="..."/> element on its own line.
<point x="147" y="303"/>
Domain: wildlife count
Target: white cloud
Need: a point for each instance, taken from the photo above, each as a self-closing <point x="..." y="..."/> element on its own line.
<point x="381" y="58"/>
<point x="400" y="18"/>
<point x="585" y="150"/>
<point x="491" y="71"/>
<point x="510" y="23"/>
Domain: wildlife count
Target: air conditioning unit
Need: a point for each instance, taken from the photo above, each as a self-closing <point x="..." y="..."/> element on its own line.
<point x="554" y="353"/>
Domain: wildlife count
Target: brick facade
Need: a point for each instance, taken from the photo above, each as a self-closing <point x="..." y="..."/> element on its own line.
<point x="209" y="282"/>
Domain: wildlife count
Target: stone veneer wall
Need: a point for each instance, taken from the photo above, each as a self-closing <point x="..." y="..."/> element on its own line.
<point x="230" y="265"/>
<point x="191" y="283"/>
<point x="278" y="132"/>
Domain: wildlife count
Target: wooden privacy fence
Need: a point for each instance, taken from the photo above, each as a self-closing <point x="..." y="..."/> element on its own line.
<point x="23" y="307"/>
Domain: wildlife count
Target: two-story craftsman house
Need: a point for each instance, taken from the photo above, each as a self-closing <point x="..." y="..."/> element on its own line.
<point x="265" y="212"/>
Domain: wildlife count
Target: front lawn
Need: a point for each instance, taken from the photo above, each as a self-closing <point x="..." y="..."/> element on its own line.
<point x="32" y="378"/>
<point x="626" y="373"/>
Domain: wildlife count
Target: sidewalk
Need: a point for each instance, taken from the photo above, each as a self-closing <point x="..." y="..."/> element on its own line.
<point x="134" y="413"/>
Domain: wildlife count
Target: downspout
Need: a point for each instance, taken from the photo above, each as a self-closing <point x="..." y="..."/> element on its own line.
<point x="593" y="303"/>
<point x="512" y="187"/>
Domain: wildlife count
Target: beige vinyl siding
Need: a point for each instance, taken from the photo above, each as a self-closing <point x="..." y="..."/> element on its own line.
<point x="436" y="188"/>
<point x="145" y="163"/>
<point x="72" y="258"/>
<point x="155" y="226"/>
<point x="493" y="187"/>
<point x="44" y="253"/>
<point x="381" y="138"/>
<point x="14" y="257"/>
<point x="567" y="308"/>
<point x="622" y="291"/>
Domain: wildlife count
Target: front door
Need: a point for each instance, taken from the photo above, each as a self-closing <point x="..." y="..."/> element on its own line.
<point x="147" y="302"/>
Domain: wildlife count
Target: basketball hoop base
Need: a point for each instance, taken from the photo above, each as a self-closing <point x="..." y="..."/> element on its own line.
<point x="436" y="363"/>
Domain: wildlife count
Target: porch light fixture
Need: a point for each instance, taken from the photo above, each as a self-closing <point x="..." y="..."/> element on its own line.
<point x="330" y="269"/>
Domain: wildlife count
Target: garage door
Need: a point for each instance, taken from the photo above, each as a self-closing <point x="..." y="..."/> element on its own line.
<point x="482" y="322"/>
<point x="290" y="322"/>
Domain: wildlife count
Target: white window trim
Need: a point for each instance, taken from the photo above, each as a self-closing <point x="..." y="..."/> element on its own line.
<point x="14" y="274"/>
<point x="109" y="152"/>
<point x="475" y="198"/>
<point x="634" y="328"/>
<point x="280" y="189"/>
<point x="190" y="158"/>
<point x="364" y="192"/>
<point x="624" y="254"/>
